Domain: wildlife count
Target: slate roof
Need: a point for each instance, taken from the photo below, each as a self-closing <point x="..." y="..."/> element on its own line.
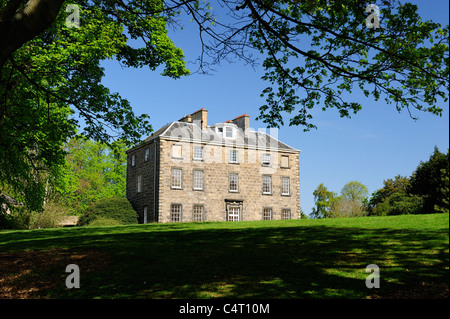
<point x="192" y="132"/>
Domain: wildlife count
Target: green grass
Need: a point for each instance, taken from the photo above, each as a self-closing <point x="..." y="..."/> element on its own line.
<point x="264" y="259"/>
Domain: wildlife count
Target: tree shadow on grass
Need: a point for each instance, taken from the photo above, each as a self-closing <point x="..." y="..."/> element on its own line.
<point x="170" y="261"/>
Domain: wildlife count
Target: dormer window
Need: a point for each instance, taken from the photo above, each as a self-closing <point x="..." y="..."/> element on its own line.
<point x="266" y="159"/>
<point x="226" y="130"/>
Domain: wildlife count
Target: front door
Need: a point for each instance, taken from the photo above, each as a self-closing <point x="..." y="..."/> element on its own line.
<point x="233" y="213"/>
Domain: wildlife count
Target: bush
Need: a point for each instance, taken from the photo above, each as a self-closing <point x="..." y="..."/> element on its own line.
<point x="21" y="218"/>
<point x="6" y="221"/>
<point x="113" y="208"/>
<point x="398" y="204"/>
<point x="51" y="217"/>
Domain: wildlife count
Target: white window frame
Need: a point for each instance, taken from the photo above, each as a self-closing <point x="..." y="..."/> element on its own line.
<point x="267" y="213"/>
<point x="225" y="130"/>
<point x="198" y="179"/>
<point x="266" y="159"/>
<point x="139" y="183"/>
<point x="234" y="156"/>
<point x="198" y="152"/>
<point x="285" y="185"/>
<point x="145" y="212"/>
<point x="176" y="178"/>
<point x="233" y="214"/>
<point x="198" y="213"/>
<point x="267" y="181"/>
<point x="233" y="178"/>
<point x="285" y="213"/>
<point x="176" y="211"/>
<point x="228" y="129"/>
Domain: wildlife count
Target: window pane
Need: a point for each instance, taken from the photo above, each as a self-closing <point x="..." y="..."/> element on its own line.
<point x="285" y="213"/>
<point x="133" y="160"/>
<point x="233" y="214"/>
<point x="176" y="178"/>
<point x="267" y="184"/>
<point x="267" y="214"/>
<point x="145" y="214"/>
<point x="198" y="152"/>
<point x="147" y="154"/>
<point x="266" y="159"/>
<point x="233" y="156"/>
<point x="139" y="183"/>
<point x="175" y="214"/>
<point x="234" y="182"/>
<point x="198" y="179"/>
<point x="285" y="186"/>
<point x="198" y="213"/>
<point x="229" y="132"/>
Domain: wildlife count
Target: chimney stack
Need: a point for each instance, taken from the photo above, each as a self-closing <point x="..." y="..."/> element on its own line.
<point x="201" y="118"/>
<point x="186" y="118"/>
<point x="242" y="122"/>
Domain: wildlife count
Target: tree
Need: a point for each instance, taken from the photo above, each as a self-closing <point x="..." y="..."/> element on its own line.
<point x="399" y="184"/>
<point x="426" y="191"/>
<point x="316" y="50"/>
<point x="324" y="200"/>
<point x="430" y="180"/>
<point x="50" y="80"/>
<point x="399" y="203"/>
<point x="351" y="202"/>
<point x="355" y="191"/>
<point x="94" y="171"/>
<point x="47" y="68"/>
<point x="403" y="59"/>
<point x="344" y="207"/>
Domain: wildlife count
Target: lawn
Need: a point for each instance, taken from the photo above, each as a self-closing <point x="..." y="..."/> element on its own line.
<point x="264" y="259"/>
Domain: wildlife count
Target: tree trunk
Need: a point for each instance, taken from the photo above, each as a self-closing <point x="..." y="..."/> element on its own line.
<point x="21" y="21"/>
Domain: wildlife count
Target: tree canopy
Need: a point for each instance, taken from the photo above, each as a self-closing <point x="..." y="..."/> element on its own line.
<point x="350" y="203"/>
<point x="426" y="191"/>
<point x="431" y="181"/>
<point x="93" y="171"/>
<point x="312" y="52"/>
<point x="324" y="200"/>
<point x="391" y="186"/>
<point x="51" y="86"/>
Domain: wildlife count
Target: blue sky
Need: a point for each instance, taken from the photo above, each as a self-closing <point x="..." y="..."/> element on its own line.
<point x="375" y="144"/>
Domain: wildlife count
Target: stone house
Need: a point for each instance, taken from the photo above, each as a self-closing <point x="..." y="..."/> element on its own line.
<point x="188" y="171"/>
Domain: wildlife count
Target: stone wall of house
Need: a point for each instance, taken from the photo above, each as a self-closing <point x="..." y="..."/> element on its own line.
<point x="148" y="168"/>
<point x="216" y="170"/>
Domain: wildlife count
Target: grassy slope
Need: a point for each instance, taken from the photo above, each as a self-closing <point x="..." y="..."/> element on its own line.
<point x="267" y="259"/>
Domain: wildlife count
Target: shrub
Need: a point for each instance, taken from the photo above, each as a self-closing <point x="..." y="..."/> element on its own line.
<point x="50" y="217"/>
<point x="6" y="221"/>
<point x="116" y="208"/>
<point x="19" y="218"/>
